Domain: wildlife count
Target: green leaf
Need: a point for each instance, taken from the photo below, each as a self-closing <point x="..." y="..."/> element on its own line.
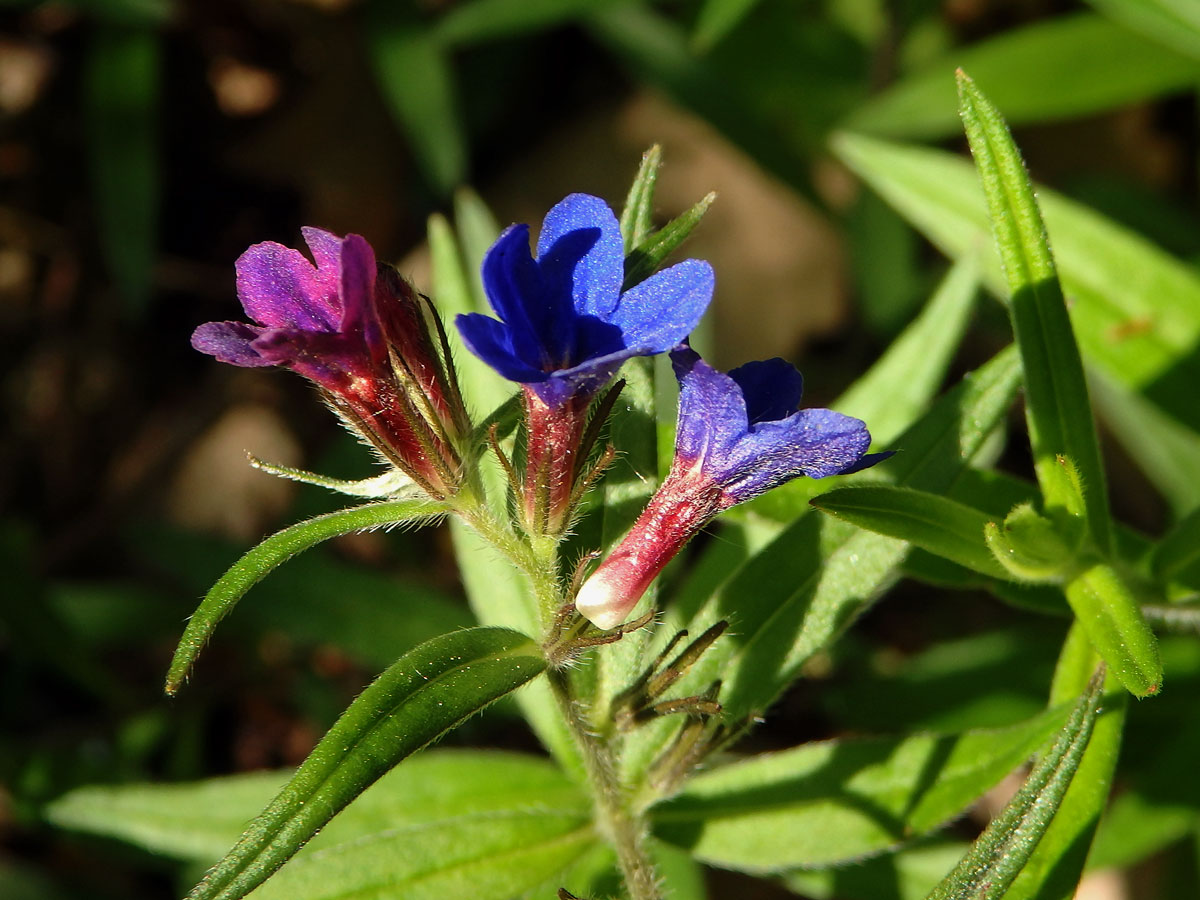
<point x="1113" y="621"/>
<point x="901" y="383"/>
<point x="274" y="551"/>
<point x="637" y="218"/>
<point x="717" y="18"/>
<point x="1092" y="63"/>
<point x="199" y="820"/>
<point x="1057" y="408"/>
<point x="484" y="20"/>
<point x="1173" y="23"/>
<point x="458" y="859"/>
<point x="1053" y="872"/>
<point x="908" y="874"/>
<point x="938" y="524"/>
<point x="122" y="97"/>
<point x="1165" y="450"/>
<point x="830" y="802"/>
<point x="991" y="865"/>
<point x="1136" y="309"/>
<point x="425" y="693"/>
<point x="417" y="79"/>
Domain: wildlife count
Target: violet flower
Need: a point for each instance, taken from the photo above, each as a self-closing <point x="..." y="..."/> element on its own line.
<point x="356" y="330"/>
<point x="739" y="435"/>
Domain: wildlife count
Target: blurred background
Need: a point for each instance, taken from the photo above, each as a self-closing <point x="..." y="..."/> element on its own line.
<point x="144" y="144"/>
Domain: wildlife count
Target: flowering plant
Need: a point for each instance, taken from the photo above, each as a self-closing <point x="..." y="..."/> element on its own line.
<point x="639" y="695"/>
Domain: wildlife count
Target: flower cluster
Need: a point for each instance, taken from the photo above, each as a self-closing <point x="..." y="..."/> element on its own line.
<point x="565" y="323"/>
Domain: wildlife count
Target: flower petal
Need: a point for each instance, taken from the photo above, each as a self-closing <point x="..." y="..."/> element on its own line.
<point x="812" y="442"/>
<point x="357" y="288"/>
<point x="230" y="342"/>
<point x="513" y="284"/>
<point x="278" y="287"/>
<point x="661" y="311"/>
<point x="326" y="249"/>
<point x="712" y="413"/>
<point x="491" y="341"/>
<point x="771" y="387"/>
<point x="581" y="254"/>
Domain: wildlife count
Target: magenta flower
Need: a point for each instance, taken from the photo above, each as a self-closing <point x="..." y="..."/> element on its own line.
<point x="356" y="330"/>
<point x="739" y="435"/>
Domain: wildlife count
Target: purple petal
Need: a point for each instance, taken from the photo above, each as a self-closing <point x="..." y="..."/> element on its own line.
<point x="230" y="342"/>
<point x="279" y="288"/>
<point x="513" y="284"/>
<point x="358" y="291"/>
<point x="772" y="389"/>
<point x="491" y="341"/>
<point x="581" y="254"/>
<point x="661" y="311"/>
<point x="712" y="413"/>
<point x="326" y="249"/>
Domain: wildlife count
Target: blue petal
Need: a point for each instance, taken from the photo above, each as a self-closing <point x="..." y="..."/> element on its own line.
<point x="812" y="442"/>
<point x="772" y="389"/>
<point x="491" y="341"/>
<point x="581" y="254"/>
<point x="712" y="413"/>
<point x="661" y="311"/>
<point x="514" y="287"/>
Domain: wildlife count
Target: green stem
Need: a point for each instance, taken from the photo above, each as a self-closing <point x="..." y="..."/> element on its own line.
<point x="625" y="829"/>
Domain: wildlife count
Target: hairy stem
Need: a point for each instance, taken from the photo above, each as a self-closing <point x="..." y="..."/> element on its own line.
<point x="625" y="829"/>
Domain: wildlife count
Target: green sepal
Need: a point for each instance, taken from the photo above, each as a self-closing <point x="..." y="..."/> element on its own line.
<point x="637" y="218"/>
<point x="424" y="694"/>
<point x="932" y="522"/>
<point x="1113" y="622"/>
<point x="995" y="859"/>
<point x="275" y="550"/>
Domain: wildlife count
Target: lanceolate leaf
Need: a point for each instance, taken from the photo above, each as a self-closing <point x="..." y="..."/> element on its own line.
<point x="1056" y="398"/>
<point x="995" y="859"/>
<point x="275" y="550"/>
<point x="1173" y="23"/>
<point x="637" y="218"/>
<point x="425" y="693"/>
<point x="1094" y="64"/>
<point x="653" y="249"/>
<point x="935" y="523"/>
<point x="1136" y="309"/>
<point x="827" y="803"/>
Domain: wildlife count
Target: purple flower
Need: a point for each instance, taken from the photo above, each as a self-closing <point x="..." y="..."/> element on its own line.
<point x="355" y="329"/>
<point x="565" y="327"/>
<point x="739" y="435"/>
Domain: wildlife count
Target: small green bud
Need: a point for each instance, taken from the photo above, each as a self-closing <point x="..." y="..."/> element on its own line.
<point x="1032" y="547"/>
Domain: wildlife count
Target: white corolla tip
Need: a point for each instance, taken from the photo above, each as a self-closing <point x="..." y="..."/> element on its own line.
<point x="600" y="601"/>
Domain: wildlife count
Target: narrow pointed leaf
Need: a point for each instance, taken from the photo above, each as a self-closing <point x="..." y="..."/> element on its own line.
<point x="275" y="550"/>
<point x="637" y="219"/>
<point x="1056" y="398"/>
<point x="425" y="693"/>
<point x="995" y="859"/>
<point x="1093" y="63"/>
<point x="938" y="524"/>
<point x="716" y="19"/>
<point x="831" y="802"/>
<point x="653" y="249"/>
<point x="1173" y="23"/>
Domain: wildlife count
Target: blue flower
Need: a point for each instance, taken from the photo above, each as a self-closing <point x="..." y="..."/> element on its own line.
<point x="564" y="326"/>
<point x="739" y="435"/>
<point x="742" y="430"/>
